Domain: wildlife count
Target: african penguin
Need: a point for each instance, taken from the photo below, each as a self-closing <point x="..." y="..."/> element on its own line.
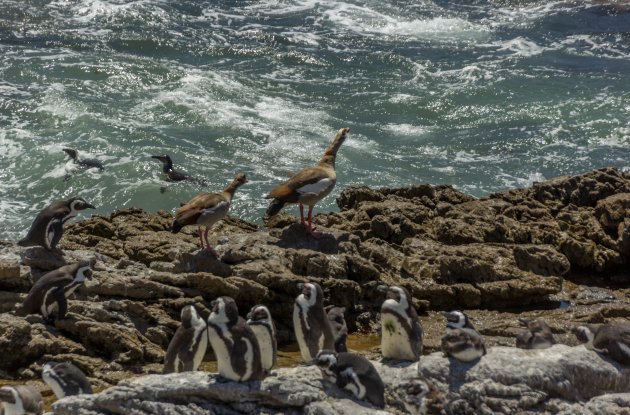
<point x="612" y="339"/>
<point x="234" y="343"/>
<point x="47" y="228"/>
<point x="537" y="335"/>
<point x="338" y="324"/>
<point x="21" y="400"/>
<point x="65" y="379"/>
<point x="83" y="163"/>
<point x="310" y="323"/>
<point x="49" y="295"/>
<point x="173" y="175"/>
<point x="188" y="345"/>
<point x="462" y="341"/>
<point x="401" y="332"/>
<point x="352" y="372"/>
<point x="421" y="397"/>
<point x="261" y="323"/>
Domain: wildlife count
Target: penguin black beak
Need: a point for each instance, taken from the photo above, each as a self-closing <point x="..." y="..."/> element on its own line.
<point x="90" y="206"/>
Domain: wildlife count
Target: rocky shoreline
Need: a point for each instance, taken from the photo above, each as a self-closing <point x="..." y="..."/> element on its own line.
<point x="559" y="250"/>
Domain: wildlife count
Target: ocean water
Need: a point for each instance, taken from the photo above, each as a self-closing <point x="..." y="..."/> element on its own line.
<point x="483" y="95"/>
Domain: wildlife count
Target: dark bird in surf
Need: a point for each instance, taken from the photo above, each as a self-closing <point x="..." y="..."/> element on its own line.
<point x="81" y="162"/>
<point x="308" y="186"/>
<point x="173" y="175"/>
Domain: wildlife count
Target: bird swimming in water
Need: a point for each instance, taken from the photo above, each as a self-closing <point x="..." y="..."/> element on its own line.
<point x="309" y="185"/>
<point x="173" y="175"/>
<point x="81" y="162"/>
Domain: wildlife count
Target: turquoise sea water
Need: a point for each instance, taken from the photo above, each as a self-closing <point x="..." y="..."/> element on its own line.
<point x="484" y="95"/>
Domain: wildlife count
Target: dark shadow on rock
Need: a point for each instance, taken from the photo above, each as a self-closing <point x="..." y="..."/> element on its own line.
<point x="201" y="262"/>
<point x="295" y="236"/>
<point x="457" y="372"/>
<point x="43" y="259"/>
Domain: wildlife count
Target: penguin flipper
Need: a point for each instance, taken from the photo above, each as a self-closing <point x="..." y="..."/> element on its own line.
<point x="60" y="296"/>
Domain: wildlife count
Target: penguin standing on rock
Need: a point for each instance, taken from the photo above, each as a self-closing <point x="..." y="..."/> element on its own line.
<point x="21" y="400"/>
<point x="339" y="327"/>
<point x="310" y="323"/>
<point x="261" y="323"/>
<point x="612" y="339"/>
<point x="83" y="163"/>
<point x="537" y="335"/>
<point x="309" y="185"/>
<point x="47" y="228"/>
<point x="65" y="379"/>
<point x="189" y="343"/>
<point x="462" y="341"/>
<point x="49" y="295"/>
<point x="234" y="343"/>
<point x="353" y="372"/>
<point x="207" y="209"/>
<point x="401" y="332"/>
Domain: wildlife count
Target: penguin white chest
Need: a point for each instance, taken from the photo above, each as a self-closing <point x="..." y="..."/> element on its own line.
<point x="222" y="347"/>
<point x="14" y="408"/>
<point x="468" y="354"/>
<point x="53" y="383"/>
<point x="201" y="340"/>
<point x="354" y="384"/>
<point x="266" y="345"/>
<point x="395" y="342"/>
<point x="301" y="326"/>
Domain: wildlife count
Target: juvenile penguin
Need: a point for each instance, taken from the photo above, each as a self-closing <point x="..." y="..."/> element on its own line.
<point x="47" y="228"/>
<point x="308" y="186"/>
<point x="65" y="379"/>
<point x="612" y="339"/>
<point x="83" y="163"/>
<point x="462" y="341"/>
<point x="354" y="373"/>
<point x="259" y="319"/>
<point x="310" y="323"/>
<point x="339" y="328"/>
<point x="401" y="332"/>
<point x="421" y="397"/>
<point x="207" y="209"/>
<point x="49" y="295"/>
<point x="21" y="400"/>
<point x="537" y="335"/>
<point x="188" y="345"/>
<point x="234" y="343"/>
<point x="173" y="175"/>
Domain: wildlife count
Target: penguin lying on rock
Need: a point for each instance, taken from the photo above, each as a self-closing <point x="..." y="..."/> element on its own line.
<point x="612" y="339"/>
<point x="353" y="372"/>
<point x="462" y="341"/>
<point x="537" y="335"/>
<point x="65" y="379"/>
<point x="21" y="400"/>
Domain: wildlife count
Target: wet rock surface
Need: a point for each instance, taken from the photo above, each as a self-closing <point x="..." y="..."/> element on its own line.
<point x="559" y="250"/>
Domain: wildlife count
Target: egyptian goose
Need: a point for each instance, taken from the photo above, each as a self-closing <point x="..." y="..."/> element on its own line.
<point x="207" y="209"/>
<point x="308" y="186"/>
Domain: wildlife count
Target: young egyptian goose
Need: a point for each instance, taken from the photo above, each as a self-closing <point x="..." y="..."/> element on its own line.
<point x="207" y="209"/>
<point x="309" y="185"/>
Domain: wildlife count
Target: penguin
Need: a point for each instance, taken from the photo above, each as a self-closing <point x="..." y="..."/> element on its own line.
<point x="206" y="209"/>
<point x="234" y="343"/>
<point x="188" y="346"/>
<point x="310" y="323"/>
<point x="352" y="372"/>
<point x="21" y="400"/>
<point x="421" y="397"/>
<point x="65" y="379"/>
<point x="261" y="323"/>
<point x="338" y="324"/>
<point x="401" y="331"/>
<point x="462" y="341"/>
<point x="83" y="163"/>
<point x="49" y="295"/>
<point x="612" y="339"/>
<point x="47" y="228"/>
<point x="536" y="336"/>
<point x="173" y="175"/>
<point x="309" y="185"/>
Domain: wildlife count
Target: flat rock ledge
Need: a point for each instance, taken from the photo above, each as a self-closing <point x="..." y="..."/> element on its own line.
<point x="559" y="380"/>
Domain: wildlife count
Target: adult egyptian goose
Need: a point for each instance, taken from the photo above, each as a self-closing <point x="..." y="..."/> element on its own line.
<point x="207" y="209"/>
<point x="308" y="186"/>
